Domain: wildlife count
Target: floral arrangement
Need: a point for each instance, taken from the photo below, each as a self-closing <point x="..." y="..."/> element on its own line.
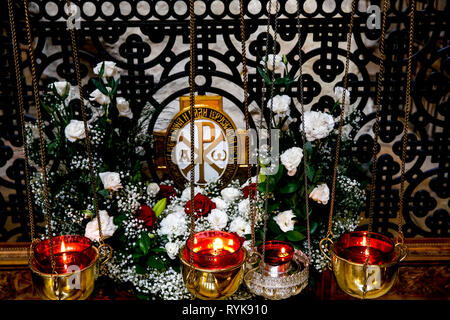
<point x="287" y="210"/>
<point x="146" y="223"/>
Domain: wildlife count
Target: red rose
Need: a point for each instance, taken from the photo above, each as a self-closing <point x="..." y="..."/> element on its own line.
<point x="202" y="205"/>
<point x="147" y="215"/>
<point x="246" y="190"/>
<point x="167" y="192"/>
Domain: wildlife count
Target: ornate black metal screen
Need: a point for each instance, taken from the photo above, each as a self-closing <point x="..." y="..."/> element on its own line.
<point x="149" y="41"/>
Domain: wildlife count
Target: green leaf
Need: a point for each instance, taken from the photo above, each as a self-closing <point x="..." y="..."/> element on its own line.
<point x="310" y="172"/>
<point x="52" y="146"/>
<point x="100" y="86"/>
<point x="273" y="226"/>
<point x="295" y="236"/>
<point x="142" y="296"/>
<point x="155" y="262"/>
<point x="158" y="250"/>
<point x="114" y="88"/>
<point x="102" y="70"/>
<point x="289" y="187"/>
<point x="119" y="219"/>
<point x="308" y="147"/>
<point x="104" y="192"/>
<point x="272" y="207"/>
<point x="281" y="237"/>
<point x="46" y="107"/>
<point x="262" y="178"/>
<point x="263" y="75"/>
<point x="141" y="269"/>
<point x="314" y="226"/>
<point x="144" y="243"/>
<point x="137" y="255"/>
<point x="160" y="206"/>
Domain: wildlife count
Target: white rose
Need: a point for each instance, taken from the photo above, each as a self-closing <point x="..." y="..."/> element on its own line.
<point x="318" y="125"/>
<point x="320" y="194"/>
<point x="280" y="104"/>
<point x="291" y="158"/>
<point x="179" y="211"/>
<point x="230" y="194"/>
<point x="61" y="87"/>
<point x="173" y="225"/>
<point x="110" y="69"/>
<point x="244" y="207"/>
<point x="110" y="180"/>
<point x="220" y="203"/>
<point x="99" y="97"/>
<point x="75" y="130"/>
<point x="280" y="107"/>
<point x="284" y="220"/>
<point x="152" y="189"/>
<point x="240" y="226"/>
<point x="123" y="106"/>
<point x="217" y="219"/>
<point x="271" y="58"/>
<point x="339" y="93"/>
<point x="186" y="194"/>
<point x="108" y="227"/>
<point x="172" y="249"/>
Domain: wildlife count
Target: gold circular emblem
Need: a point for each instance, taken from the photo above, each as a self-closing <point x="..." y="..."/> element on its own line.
<point x="215" y="147"/>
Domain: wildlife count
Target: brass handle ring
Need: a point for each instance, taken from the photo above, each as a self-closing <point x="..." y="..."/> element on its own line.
<point x="325" y="242"/>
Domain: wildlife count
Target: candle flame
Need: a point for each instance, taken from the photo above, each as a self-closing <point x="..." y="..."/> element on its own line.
<point x="283" y="252"/>
<point x="364" y="241"/>
<point x="217" y="244"/>
<point x="63" y="249"/>
<point x="366" y="252"/>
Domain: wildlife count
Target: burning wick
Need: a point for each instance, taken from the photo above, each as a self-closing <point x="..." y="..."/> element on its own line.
<point x="217" y="245"/>
<point x="63" y="249"/>
<point x="283" y="253"/>
<point x="364" y="243"/>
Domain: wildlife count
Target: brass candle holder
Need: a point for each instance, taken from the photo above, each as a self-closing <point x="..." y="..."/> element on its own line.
<point x="70" y="281"/>
<point x="347" y="262"/>
<point x="217" y="265"/>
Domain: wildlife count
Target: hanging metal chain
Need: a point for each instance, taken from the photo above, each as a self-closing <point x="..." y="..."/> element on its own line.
<point x="247" y="121"/>
<point x="300" y="80"/>
<point x="18" y="75"/>
<point x="76" y="60"/>
<point x="341" y="118"/>
<point x="400" y="238"/>
<point x="192" y="122"/>
<point x="261" y="119"/>
<point x="31" y="58"/>
<point x="269" y="137"/>
<point x="376" y="130"/>
<point x="376" y="127"/>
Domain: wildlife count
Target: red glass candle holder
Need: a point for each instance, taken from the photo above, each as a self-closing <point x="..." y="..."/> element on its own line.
<point x="68" y="251"/>
<point x="354" y="247"/>
<point x="214" y="250"/>
<point x="277" y="252"/>
<point x="277" y="257"/>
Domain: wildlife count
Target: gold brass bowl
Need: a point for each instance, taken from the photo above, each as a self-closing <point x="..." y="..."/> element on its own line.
<point x="216" y="284"/>
<point x="68" y="286"/>
<point x="350" y="276"/>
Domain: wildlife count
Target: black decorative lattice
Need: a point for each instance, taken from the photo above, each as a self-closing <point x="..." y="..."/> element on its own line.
<point x="150" y="41"/>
